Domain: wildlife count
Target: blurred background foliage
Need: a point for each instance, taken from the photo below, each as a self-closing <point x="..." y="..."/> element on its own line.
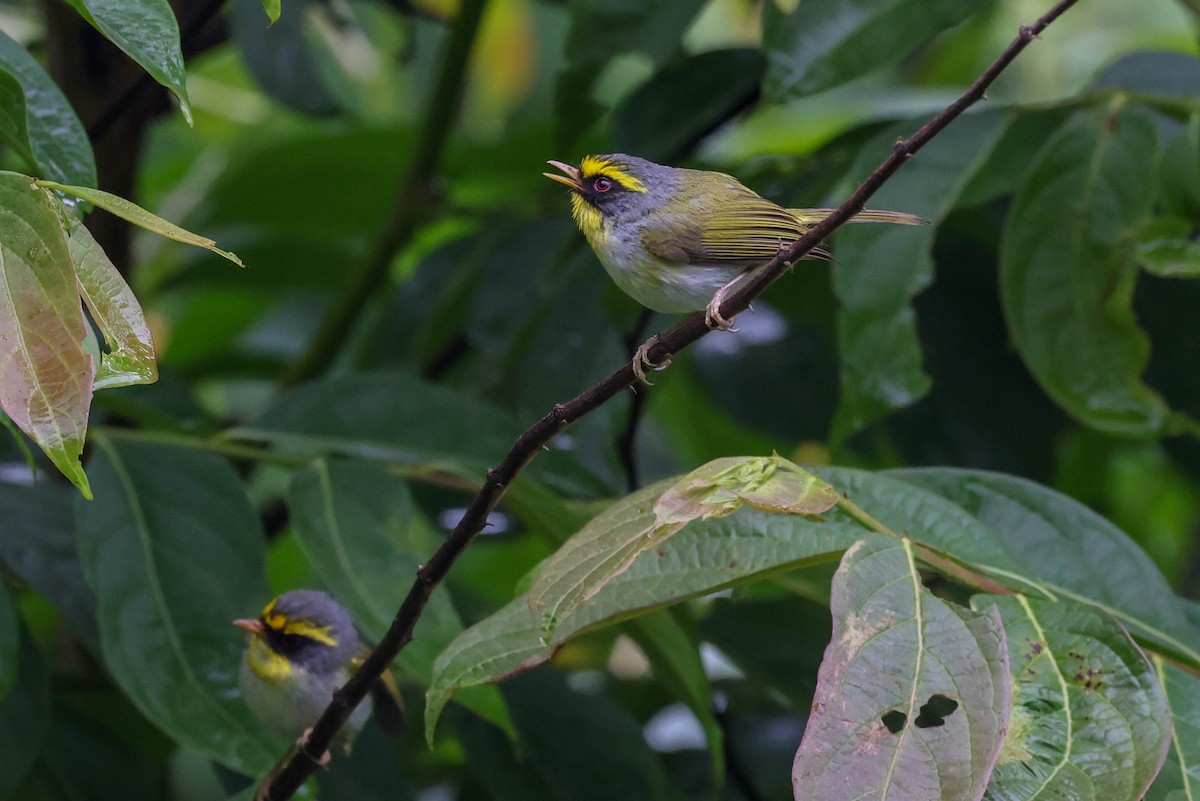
<point x="491" y="308"/>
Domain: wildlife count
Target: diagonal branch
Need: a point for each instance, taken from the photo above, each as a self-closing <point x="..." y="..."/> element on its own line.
<point x="413" y="196"/>
<point x="562" y="415"/>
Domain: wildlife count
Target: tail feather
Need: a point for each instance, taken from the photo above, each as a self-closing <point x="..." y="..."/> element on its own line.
<point x="813" y="216"/>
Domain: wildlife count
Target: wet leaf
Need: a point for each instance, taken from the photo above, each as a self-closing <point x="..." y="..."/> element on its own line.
<point x="37" y="120"/>
<point x="45" y="376"/>
<point x="911" y="698"/>
<point x="130" y="358"/>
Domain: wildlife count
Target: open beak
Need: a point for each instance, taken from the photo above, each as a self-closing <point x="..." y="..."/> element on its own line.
<point x="252" y="625"/>
<point x="569" y="178"/>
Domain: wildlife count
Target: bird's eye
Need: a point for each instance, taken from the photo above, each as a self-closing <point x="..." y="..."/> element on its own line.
<point x="602" y="184"/>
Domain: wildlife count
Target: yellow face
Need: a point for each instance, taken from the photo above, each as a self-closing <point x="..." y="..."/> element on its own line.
<point x="591" y="183"/>
<point x="274" y="630"/>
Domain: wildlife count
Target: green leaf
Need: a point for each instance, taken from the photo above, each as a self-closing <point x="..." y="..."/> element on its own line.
<point x="706" y="556"/>
<point x="666" y="116"/>
<point x="128" y="210"/>
<point x="1071" y="550"/>
<point x="1180" y="173"/>
<point x="46" y="385"/>
<point x="1179" y="779"/>
<point x="395" y="417"/>
<point x="24" y="718"/>
<point x="911" y="696"/>
<point x="39" y="546"/>
<point x="1088" y="718"/>
<point x="601" y="30"/>
<point x="357" y="525"/>
<point x="609" y="544"/>
<point x="37" y="120"/>
<point x="147" y="32"/>
<point x="272" y="7"/>
<point x="881" y="268"/>
<point x="10" y="642"/>
<point x="1158" y="75"/>
<point x="1067" y="271"/>
<point x="825" y="43"/>
<point x="175" y="552"/>
<point x="130" y="358"/>
<point x="1165" y="248"/>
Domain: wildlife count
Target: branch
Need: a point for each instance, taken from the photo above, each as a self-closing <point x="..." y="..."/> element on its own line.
<point x="627" y="438"/>
<point x="429" y="575"/>
<point x="412" y="197"/>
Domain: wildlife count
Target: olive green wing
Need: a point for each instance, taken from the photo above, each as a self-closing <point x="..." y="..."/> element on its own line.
<point x="387" y="703"/>
<point x="726" y="226"/>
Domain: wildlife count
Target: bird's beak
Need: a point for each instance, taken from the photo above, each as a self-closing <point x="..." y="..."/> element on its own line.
<point x="569" y="179"/>
<point x="252" y="625"/>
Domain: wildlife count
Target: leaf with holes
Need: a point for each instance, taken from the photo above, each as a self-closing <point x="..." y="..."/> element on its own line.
<point x="174" y="551"/>
<point x="608" y="544"/>
<point x="1088" y="717"/>
<point x="130" y="354"/>
<point x="45" y="376"/>
<point x="911" y="699"/>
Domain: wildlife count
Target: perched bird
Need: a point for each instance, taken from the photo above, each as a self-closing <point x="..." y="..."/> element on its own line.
<point x="299" y="650"/>
<point x="677" y="240"/>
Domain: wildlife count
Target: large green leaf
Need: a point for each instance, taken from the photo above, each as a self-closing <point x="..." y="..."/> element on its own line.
<point x="175" y="552"/>
<point x="24" y="718"/>
<point x="37" y="120"/>
<point x="706" y="556"/>
<point x="825" y="43"/>
<point x="1179" y="779"/>
<point x="45" y="376"/>
<point x="38" y="546"/>
<point x="130" y="347"/>
<point x="147" y="32"/>
<point x="359" y="528"/>
<point x="1067" y="270"/>
<point x="911" y="696"/>
<point x="881" y="268"/>
<point x="395" y="417"/>
<point x="1070" y="550"/>
<point x="1088" y="717"/>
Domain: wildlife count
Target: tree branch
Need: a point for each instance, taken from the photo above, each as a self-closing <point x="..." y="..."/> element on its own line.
<point x="627" y="438"/>
<point x="412" y="197"/>
<point x="300" y="767"/>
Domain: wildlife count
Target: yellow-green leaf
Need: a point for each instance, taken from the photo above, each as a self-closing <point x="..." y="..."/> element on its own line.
<point x="130" y="358"/>
<point x="128" y="210"/>
<point x="272" y="7"/>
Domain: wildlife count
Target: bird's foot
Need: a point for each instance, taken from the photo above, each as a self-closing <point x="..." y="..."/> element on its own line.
<point x="302" y="747"/>
<point x="642" y="360"/>
<point x="712" y="314"/>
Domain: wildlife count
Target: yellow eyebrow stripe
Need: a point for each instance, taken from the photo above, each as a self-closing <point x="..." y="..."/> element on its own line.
<point x="305" y="628"/>
<point x="594" y="166"/>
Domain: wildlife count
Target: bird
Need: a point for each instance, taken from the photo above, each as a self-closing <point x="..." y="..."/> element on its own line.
<point x="299" y="650"/>
<point x="677" y="240"/>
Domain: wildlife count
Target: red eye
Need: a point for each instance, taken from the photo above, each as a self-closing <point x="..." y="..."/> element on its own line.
<point x="602" y="184"/>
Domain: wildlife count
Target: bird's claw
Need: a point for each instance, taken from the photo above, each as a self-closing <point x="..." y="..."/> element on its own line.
<point x="713" y="318"/>
<point x="642" y="359"/>
<point x="302" y="747"/>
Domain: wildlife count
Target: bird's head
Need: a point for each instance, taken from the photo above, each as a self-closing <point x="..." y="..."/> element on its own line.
<point x="300" y="630"/>
<point x="614" y="188"/>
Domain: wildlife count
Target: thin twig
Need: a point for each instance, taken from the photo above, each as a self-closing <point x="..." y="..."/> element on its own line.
<point x="413" y="196"/>
<point x="528" y="445"/>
